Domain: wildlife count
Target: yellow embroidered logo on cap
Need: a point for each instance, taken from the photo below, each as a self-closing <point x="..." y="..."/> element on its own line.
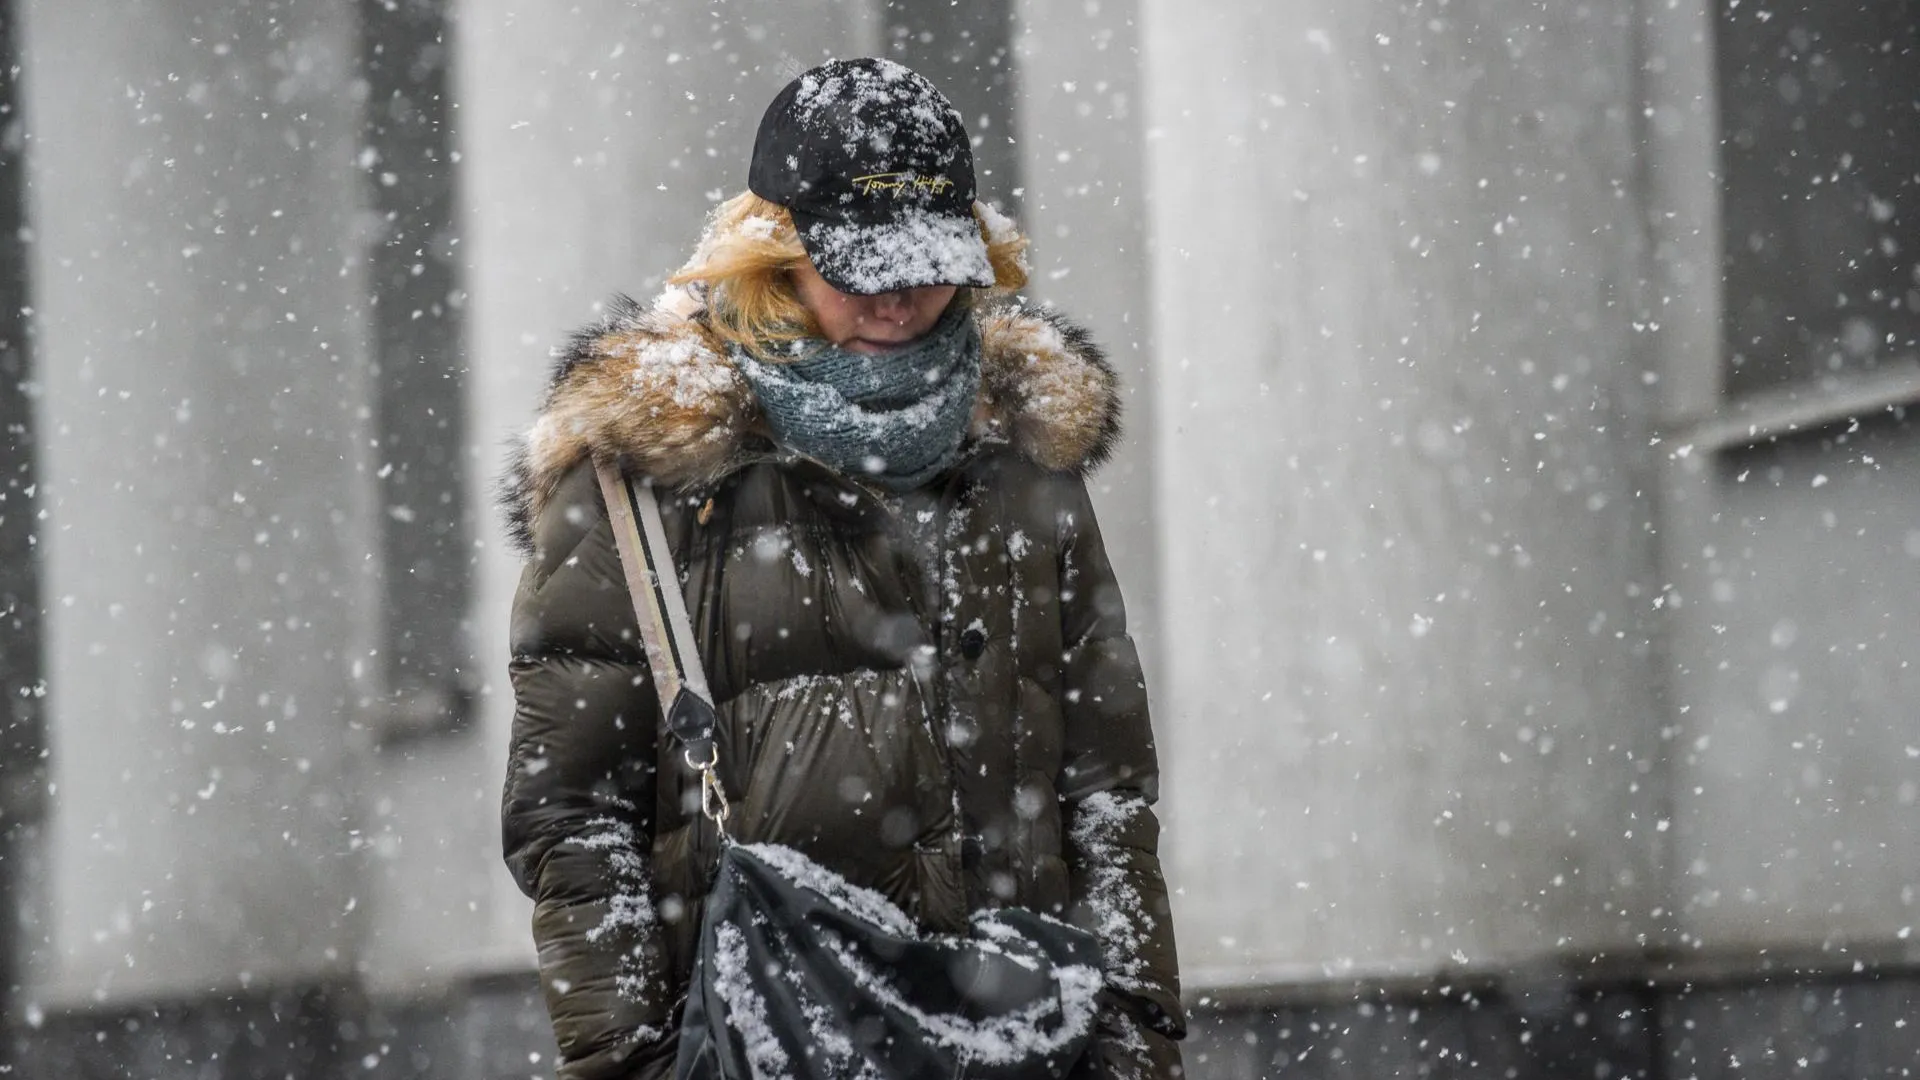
<point x="899" y="183"/>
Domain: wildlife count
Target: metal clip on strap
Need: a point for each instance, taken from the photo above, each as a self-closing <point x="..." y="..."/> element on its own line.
<point x="713" y="797"/>
<point x="692" y="721"/>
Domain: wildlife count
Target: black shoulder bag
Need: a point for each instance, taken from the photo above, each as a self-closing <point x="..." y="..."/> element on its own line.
<point x="802" y="974"/>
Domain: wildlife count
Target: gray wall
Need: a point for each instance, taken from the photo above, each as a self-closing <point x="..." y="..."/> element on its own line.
<point x="1402" y="438"/>
<point x="1507" y="638"/>
<point x="1790" y="544"/>
<point x="200" y="310"/>
<point x="1795" y="764"/>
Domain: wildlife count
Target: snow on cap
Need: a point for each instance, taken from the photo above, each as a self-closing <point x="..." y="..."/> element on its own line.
<point x="873" y="163"/>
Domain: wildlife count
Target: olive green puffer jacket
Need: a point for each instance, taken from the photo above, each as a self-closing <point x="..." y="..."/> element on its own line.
<point x="933" y="695"/>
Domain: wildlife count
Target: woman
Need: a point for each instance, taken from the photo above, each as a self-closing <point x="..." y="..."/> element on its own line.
<point x="874" y="461"/>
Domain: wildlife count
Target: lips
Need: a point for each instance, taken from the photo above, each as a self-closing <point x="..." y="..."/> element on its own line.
<point x="872" y="345"/>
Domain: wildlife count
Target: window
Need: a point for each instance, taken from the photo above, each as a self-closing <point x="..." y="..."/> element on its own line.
<point x="1820" y="114"/>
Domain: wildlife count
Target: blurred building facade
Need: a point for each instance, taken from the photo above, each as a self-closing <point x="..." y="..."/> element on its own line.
<point x="1520" y="511"/>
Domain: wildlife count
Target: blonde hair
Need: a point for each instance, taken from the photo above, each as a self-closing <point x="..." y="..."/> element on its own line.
<point x="750" y="245"/>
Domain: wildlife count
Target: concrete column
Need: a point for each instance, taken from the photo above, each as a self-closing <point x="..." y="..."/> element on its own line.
<point x="200" y="311"/>
<point x="1401" y="425"/>
<point x="594" y="139"/>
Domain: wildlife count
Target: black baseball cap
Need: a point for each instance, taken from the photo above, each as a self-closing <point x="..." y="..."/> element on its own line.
<point x="873" y="163"/>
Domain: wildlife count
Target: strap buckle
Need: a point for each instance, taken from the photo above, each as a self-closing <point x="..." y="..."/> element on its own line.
<point x="713" y="797"/>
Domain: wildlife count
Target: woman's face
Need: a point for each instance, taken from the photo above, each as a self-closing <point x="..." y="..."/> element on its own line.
<point x="870" y="324"/>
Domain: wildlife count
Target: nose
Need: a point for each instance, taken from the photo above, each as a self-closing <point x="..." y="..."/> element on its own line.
<point x="891" y="306"/>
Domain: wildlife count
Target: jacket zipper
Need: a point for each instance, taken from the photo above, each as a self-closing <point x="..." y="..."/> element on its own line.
<point x="934" y="613"/>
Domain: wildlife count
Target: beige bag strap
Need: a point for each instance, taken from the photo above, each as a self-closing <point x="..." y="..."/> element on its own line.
<point x="661" y="609"/>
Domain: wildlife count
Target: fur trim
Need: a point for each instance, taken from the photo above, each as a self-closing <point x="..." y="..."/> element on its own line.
<point x="650" y="388"/>
<point x="1047" y="388"/>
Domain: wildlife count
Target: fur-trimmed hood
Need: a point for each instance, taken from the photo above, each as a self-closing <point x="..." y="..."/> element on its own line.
<point x="651" y="388"/>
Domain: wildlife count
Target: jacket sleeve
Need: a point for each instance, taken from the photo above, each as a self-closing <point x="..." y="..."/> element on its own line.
<point x="577" y="812"/>
<point x="1108" y="784"/>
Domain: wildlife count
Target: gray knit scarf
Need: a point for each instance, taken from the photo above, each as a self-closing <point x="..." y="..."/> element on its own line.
<point x="898" y="418"/>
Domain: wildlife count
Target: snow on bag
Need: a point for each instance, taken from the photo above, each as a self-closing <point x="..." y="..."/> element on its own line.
<point x="801" y="975"/>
